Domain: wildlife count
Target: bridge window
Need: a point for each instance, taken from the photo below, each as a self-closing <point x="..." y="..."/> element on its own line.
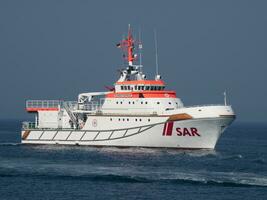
<point x="142" y="87"/>
<point x="147" y="88"/>
<point x="129" y="88"/>
<point x="122" y="87"/>
<point x="135" y="87"/>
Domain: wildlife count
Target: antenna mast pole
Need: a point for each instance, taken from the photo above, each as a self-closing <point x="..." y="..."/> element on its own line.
<point x="156" y="48"/>
<point x="225" y="98"/>
<point x="140" y="46"/>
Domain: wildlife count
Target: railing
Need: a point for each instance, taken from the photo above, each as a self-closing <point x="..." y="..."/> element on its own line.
<point x="93" y="106"/>
<point x="193" y="106"/>
<point x="43" y="103"/>
<point x="28" y="125"/>
<point x="72" y="105"/>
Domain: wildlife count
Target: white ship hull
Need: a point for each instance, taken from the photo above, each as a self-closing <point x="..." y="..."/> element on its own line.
<point x="136" y="112"/>
<point x="186" y="134"/>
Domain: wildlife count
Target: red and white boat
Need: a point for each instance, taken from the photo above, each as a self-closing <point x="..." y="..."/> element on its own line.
<point x="137" y="112"/>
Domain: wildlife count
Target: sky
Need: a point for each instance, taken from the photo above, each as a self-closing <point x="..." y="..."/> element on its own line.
<point x="58" y="49"/>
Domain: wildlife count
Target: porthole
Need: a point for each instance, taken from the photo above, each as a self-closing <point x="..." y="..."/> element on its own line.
<point x="129" y="102"/>
<point x="158" y="103"/>
<point x="127" y="119"/>
<point x="119" y="119"/>
<point x="117" y="102"/>
<point x="140" y="120"/>
<point x="141" y="102"/>
<point x="121" y="102"/>
<point x="170" y="103"/>
<point x="110" y="119"/>
<point x="136" y="120"/>
<point x="133" y="102"/>
<point x="146" y="102"/>
<point x="123" y="119"/>
<point x="149" y="120"/>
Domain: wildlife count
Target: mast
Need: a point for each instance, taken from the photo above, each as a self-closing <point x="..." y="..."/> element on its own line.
<point x="132" y="70"/>
<point x="127" y="46"/>
<point x="140" y="46"/>
<point x="156" y="49"/>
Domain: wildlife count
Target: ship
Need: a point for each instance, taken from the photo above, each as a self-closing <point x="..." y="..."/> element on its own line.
<point x="136" y="112"/>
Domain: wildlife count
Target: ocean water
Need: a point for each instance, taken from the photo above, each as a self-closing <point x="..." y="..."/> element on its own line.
<point x="237" y="169"/>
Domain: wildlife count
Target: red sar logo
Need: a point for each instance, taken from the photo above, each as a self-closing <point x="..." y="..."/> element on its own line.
<point x="187" y="131"/>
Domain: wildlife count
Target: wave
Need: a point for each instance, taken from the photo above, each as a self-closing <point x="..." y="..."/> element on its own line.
<point x="128" y="150"/>
<point x="259" y="182"/>
<point x="121" y="175"/>
<point x="10" y="144"/>
<point x="233" y="157"/>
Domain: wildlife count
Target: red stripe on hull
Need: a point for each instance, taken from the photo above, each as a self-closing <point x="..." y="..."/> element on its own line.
<point x="169" y="130"/>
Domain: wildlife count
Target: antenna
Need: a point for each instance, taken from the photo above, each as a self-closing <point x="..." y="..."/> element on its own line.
<point x="140" y="46"/>
<point x="156" y="48"/>
<point x="225" y="98"/>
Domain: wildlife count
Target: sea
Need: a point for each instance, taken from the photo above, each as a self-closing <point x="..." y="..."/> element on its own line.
<point x="236" y="169"/>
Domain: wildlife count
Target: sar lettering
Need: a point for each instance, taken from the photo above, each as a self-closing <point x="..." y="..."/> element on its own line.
<point x="187" y="132"/>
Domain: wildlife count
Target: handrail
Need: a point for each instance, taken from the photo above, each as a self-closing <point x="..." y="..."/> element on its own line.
<point x="28" y="125"/>
<point x="43" y="103"/>
<point x="193" y="106"/>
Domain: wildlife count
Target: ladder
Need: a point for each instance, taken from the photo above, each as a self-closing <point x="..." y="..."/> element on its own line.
<point x="73" y="118"/>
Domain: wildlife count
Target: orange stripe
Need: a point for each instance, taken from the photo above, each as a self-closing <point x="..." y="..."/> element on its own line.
<point x="41" y="109"/>
<point x="145" y="94"/>
<point x="142" y="82"/>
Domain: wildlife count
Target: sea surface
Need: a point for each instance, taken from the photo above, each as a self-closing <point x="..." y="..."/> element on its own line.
<point x="237" y="169"/>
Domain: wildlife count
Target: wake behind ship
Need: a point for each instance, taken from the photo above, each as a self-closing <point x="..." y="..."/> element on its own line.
<point x="137" y="112"/>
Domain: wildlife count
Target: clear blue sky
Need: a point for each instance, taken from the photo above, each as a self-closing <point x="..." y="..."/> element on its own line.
<point x="57" y="49"/>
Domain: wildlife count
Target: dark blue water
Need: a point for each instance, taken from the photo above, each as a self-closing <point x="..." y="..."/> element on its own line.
<point x="237" y="169"/>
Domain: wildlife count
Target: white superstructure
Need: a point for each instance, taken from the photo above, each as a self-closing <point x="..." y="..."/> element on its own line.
<point x="136" y="112"/>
